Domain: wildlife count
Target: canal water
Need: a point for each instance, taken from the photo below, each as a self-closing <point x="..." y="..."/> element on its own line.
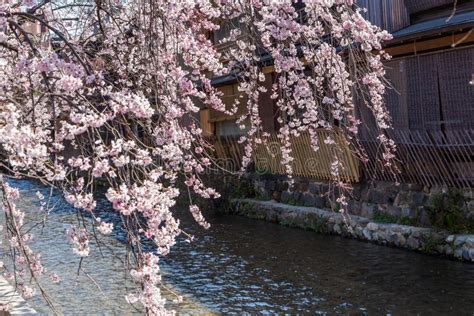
<point x="242" y="266"/>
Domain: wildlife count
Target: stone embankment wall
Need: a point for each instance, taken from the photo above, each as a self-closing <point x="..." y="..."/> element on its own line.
<point x="408" y="201"/>
<point x="433" y="241"/>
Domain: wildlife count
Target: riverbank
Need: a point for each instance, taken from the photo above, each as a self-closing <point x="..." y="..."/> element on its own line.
<point x="426" y="240"/>
<point x="11" y="301"/>
<point x="243" y="266"/>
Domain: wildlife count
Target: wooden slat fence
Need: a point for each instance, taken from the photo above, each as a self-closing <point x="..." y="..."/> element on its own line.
<point x="228" y="152"/>
<point x="432" y="158"/>
<point x="307" y="162"/>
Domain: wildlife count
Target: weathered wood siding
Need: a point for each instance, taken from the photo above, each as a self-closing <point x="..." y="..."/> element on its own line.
<point x="390" y="15"/>
<point x="307" y="162"/>
<point x="415" y="6"/>
<point x="430" y="92"/>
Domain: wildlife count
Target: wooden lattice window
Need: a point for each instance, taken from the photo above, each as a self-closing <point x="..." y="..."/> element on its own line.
<point x="432" y="91"/>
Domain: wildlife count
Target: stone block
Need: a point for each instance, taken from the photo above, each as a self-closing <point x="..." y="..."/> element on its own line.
<point x="276" y="196"/>
<point x="378" y="197"/>
<point x="324" y="188"/>
<point x="358" y="231"/>
<point x="413" y="243"/>
<point x="302" y="186"/>
<point x="285" y="196"/>
<point x="354" y="207"/>
<point x="308" y="199"/>
<point x="401" y="240"/>
<point x="416" y="232"/>
<point x="415" y="187"/>
<point x="265" y="194"/>
<point x="458" y="253"/>
<point x="404" y="187"/>
<point x="314" y="188"/>
<point x="416" y="198"/>
<point x="270" y="185"/>
<point x="388" y="188"/>
<point x="391" y="210"/>
<point x="470" y="207"/>
<point x="461" y="239"/>
<point x="367" y="234"/>
<point x="282" y="185"/>
<point x="469" y="241"/>
<point x="384" y="185"/>
<point x="425" y="218"/>
<point x="402" y="199"/>
<point x="408" y="212"/>
<point x="380" y="236"/>
<point x="297" y="196"/>
<point x="357" y="191"/>
<point x="448" y="250"/>
<point x="367" y="210"/>
<point x="364" y="194"/>
<point x="328" y="203"/>
<point x="320" y="201"/>
<point x="372" y="226"/>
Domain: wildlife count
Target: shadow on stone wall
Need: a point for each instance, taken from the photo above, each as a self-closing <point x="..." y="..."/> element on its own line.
<point x="409" y="204"/>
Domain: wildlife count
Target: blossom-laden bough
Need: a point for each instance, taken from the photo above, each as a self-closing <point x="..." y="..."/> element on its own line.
<point x="109" y="90"/>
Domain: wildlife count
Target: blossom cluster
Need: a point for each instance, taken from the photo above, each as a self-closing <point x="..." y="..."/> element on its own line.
<point x="113" y="98"/>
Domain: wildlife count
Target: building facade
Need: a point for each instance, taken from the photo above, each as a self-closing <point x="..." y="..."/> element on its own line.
<point x="431" y="98"/>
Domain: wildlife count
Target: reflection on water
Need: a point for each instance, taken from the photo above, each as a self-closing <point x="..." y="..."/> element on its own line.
<point x="241" y="265"/>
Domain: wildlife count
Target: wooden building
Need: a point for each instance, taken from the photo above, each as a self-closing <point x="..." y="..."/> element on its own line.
<point x="432" y="97"/>
<point x="431" y="100"/>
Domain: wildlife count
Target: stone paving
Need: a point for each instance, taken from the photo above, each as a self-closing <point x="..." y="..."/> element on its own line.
<point x="8" y="296"/>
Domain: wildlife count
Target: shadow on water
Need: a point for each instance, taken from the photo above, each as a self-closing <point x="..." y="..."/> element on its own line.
<point x="241" y="265"/>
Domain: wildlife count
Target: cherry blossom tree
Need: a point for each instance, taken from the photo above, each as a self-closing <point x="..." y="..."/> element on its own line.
<point x="109" y="90"/>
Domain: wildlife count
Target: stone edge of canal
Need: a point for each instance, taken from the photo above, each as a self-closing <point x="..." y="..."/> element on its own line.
<point x="17" y="305"/>
<point x="421" y="239"/>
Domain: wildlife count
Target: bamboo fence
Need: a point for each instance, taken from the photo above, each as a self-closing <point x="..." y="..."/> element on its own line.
<point x="431" y="158"/>
<point x="306" y="162"/>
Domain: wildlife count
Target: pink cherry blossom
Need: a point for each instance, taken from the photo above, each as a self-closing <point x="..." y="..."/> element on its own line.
<point x="115" y="97"/>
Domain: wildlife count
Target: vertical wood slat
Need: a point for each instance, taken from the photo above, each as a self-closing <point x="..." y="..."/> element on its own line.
<point x="307" y="162"/>
<point x="464" y="156"/>
<point x="444" y="173"/>
<point x="455" y="152"/>
<point x="427" y="157"/>
<point x="417" y="159"/>
<point x="456" y="95"/>
<point x="391" y="15"/>
<point x="415" y="6"/>
<point x="431" y="158"/>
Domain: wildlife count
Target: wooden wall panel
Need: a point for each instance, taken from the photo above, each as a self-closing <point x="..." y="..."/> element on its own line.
<point x="422" y="97"/>
<point x="415" y="6"/>
<point x="433" y="91"/>
<point x="230" y="94"/>
<point x="396" y="95"/>
<point x="266" y="108"/>
<point x="391" y="15"/>
<point x="206" y="126"/>
<point x="456" y="69"/>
